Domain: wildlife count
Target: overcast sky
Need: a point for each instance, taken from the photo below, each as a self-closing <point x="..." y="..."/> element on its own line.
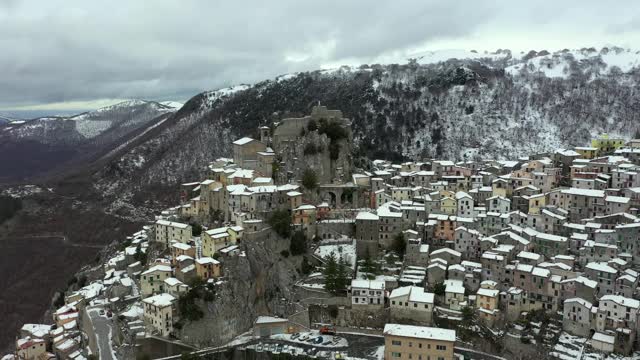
<point x="83" y="54"/>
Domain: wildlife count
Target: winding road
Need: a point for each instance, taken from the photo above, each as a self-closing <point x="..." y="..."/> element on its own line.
<point x="100" y="332"/>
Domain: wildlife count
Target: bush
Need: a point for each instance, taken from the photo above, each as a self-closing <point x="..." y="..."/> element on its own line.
<point x="188" y="308"/>
<point x="312" y="126"/>
<point x="196" y="229"/>
<point x="439" y="289"/>
<point x="280" y="221"/>
<point x="298" y="244"/>
<point x="284" y="253"/>
<point x="306" y="268"/>
<point x="400" y="245"/>
<point x="309" y="179"/>
<point x="311" y="149"/>
<point x="9" y="207"/>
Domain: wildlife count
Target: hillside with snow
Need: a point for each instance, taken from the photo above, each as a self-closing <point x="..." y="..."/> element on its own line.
<point x="46" y="143"/>
<point x="452" y="104"/>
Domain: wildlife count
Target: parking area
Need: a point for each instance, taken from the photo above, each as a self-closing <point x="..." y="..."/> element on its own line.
<point x="314" y="344"/>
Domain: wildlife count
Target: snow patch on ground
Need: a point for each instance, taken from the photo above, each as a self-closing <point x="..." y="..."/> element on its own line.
<point x="345" y="252"/>
<point x="92" y="128"/>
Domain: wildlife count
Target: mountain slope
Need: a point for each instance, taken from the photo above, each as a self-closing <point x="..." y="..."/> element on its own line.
<point x="45" y="144"/>
<point x="459" y="109"/>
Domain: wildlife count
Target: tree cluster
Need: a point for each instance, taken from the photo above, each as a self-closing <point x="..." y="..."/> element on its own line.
<point x="336" y="277"/>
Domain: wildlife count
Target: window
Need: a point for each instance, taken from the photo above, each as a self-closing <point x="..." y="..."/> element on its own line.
<point x="396" y="355"/>
<point x="441" y="347"/>
<point x="396" y="342"/>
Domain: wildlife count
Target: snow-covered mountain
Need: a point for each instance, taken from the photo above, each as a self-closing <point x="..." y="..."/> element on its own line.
<point x="46" y="143"/>
<point x="452" y="104"/>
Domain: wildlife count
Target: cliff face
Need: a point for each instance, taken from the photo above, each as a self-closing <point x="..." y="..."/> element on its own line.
<point x="259" y="283"/>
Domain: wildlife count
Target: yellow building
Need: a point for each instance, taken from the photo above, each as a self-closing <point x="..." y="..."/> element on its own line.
<point x="215" y="239"/>
<point x="208" y="268"/>
<point x="587" y="152"/>
<point x="487" y="296"/>
<point x="404" y="342"/>
<point x="606" y="144"/>
<point x="448" y="206"/>
<point x="536" y="202"/>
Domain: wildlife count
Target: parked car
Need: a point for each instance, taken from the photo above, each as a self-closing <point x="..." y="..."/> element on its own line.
<point x="318" y="340"/>
<point x="295" y="336"/>
<point x="303" y="337"/>
<point x="101" y="311"/>
<point x="260" y="348"/>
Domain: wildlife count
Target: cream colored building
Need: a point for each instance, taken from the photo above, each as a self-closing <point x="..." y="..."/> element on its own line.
<point x="167" y="231"/>
<point x="215" y="239"/>
<point x="411" y="302"/>
<point x="404" y="342"/>
<point x="245" y="152"/>
<point x="152" y="280"/>
<point x="158" y="314"/>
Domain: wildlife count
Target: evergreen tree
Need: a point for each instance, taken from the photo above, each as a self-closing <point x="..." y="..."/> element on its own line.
<point x="331" y="273"/>
<point x="400" y="245"/>
<point x="342" y="277"/>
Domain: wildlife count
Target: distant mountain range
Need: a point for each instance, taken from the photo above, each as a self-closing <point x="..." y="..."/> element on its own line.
<point x="45" y="145"/>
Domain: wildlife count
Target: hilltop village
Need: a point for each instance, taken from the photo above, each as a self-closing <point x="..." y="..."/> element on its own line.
<point x="428" y="259"/>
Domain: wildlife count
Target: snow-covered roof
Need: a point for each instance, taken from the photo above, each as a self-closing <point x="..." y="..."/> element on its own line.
<point x="454" y="286"/>
<point x="621" y="300"/>
<point x="601" y="266"/>
<point x="365" y="215"/>
<point x="172" y="281"/>
<point x="163" y="268"/>
<point x="269" y="320"/>
<point x="181" y="246"/>
<point x="243" y="141"/>
<point x="537" y="271"/>
<point x="488" y="292"/>
<point x="207" y="260"/>
<point x="415" y="293"/>
<point x="367" y="284"/>
<point x="172" y="224"/>
<point x="598" y="336"/>
<point x="580" y="301"/>
<point x="161" y="300"/>
<point x="420" y="332"/>
<point x="583" y="192"/>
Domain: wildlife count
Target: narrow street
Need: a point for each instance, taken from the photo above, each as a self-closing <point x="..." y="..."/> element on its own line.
<point x="100" y="332"/>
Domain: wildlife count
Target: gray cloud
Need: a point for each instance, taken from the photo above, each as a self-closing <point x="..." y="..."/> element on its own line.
<point x="57" y="51"/>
